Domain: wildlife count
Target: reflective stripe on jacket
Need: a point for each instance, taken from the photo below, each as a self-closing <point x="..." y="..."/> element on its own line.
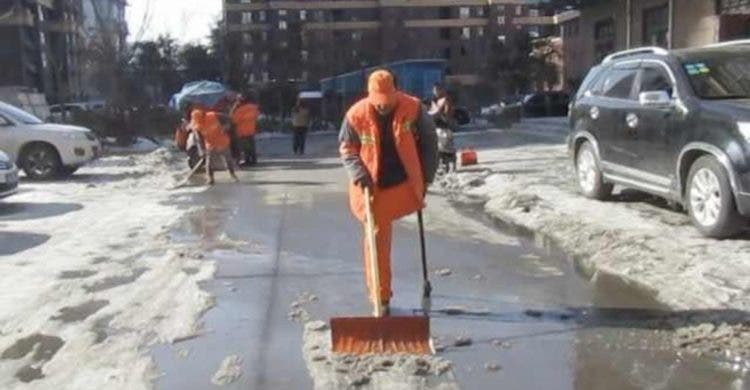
<point x="364" y="149"/>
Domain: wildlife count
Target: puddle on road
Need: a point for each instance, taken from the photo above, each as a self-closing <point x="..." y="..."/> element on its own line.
<point x="533" y="321"/>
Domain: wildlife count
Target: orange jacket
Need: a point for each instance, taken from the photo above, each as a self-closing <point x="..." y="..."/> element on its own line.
<point x="245" y="118"/>
<point x="363" y="119"/>
<point x="209" y="127"/>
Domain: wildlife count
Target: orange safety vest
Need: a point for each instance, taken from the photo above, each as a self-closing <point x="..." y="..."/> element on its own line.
<point x="244" y="118"/>
<point x="209" y="126"/>
<point x="363" y="119"/>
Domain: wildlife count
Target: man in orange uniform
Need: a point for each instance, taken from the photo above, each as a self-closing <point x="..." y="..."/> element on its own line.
<point x="389" y="145"/>
<point x="209" y="126"/>
<point x="244" y="118"/>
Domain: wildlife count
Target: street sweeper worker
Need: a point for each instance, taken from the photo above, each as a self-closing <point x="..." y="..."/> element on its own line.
<point x="244" y="118"/>
<point x="388" y="144"/>
<point x="216" y="139"/>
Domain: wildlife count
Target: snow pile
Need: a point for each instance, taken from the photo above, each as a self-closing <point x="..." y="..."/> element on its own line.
<point x="104" y="284"/>
<point x="634" y="238"/>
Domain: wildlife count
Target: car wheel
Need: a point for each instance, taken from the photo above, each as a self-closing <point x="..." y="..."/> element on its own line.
<point x="41" y="162"/>
<point x="710" y="200"/>
<point x="590" y="178"/>
<point x="68" y="171"/>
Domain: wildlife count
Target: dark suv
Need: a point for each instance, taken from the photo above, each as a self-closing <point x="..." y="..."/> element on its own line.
<point x="672" y="123"/>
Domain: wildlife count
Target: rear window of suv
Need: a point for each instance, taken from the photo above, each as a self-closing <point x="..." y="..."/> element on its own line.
<point x="718" y="74"/>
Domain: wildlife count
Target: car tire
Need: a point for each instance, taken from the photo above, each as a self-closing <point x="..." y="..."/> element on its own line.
<point x="710" y="200"/>
<point x="68" y="171"/>
<point x="40" y="162"/>
<point x="589" y="174"/>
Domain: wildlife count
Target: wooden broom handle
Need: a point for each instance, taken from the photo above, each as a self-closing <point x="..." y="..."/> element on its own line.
<point x="373" y="250"/>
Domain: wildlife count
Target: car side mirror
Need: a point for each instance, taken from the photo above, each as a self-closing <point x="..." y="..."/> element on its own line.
<point x="655" y="99"/>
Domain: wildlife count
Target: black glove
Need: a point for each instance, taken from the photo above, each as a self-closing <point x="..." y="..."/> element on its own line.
<point x="364" y="181"/>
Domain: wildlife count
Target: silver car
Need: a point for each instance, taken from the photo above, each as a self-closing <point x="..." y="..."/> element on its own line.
<point x="8" y="176"/>
<point x="45" y="150"/>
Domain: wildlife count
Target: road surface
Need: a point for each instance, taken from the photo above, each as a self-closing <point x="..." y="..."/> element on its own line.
<point x="525" y="307"/>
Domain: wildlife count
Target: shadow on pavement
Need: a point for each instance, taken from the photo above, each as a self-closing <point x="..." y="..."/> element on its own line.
<point x="28" y="211"/>
<point x="12" y="243"/>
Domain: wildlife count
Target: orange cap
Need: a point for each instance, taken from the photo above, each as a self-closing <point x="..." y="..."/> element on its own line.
<point x="381" y="88"/>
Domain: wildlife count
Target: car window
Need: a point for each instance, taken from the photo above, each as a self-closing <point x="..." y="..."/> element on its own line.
<point x="590" y="81"/>
<point x="19" y="115"/>
<point x="655" y="78"/>
<point x="719" y="74"/>
<point x="618" y="83"/>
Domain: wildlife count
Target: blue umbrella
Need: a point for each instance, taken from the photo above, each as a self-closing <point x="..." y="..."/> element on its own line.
<point x="203" y="93"/>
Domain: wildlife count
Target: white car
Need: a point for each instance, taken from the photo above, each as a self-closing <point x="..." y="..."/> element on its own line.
<point x="8" y="176"/>
<point x="45" y="150"/>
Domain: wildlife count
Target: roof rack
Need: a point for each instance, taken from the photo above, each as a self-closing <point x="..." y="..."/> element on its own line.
<point x="738" y="42"/>
<point x="641" y="50"/>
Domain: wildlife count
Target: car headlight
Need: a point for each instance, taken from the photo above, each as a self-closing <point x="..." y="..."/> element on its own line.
<point x="744" y="128"/>
<point x="4" y="165"/>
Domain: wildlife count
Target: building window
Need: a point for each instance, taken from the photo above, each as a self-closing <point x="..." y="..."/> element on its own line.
<point x="265" y="76"/>
<point x="445" y="34"/>
<point x="264" y="58"/>
<point x="248" y="58"/>
<point x="464" y="13"/>
<point x="264" y="36"/>
<point x="282" y="13"/>
<point x="247" y="38"/>
<point x="305" y="75"/>
<point x="480" y="31"/>
<point x="466" y="33"/>
<point x="463" y="50"/>
<point x="304" y="55"/>
<point x="252" y="78"/>
<point x="282" y="25"/>
<point x="501" y="20"/>
<point x="656" y="26"/>
<point x="519" y="10"/>
<point x="447" y="53"/>
<point x="303" y="15"/>
<point x="604" y="38"/>
<point x="356" y="36"/>
<point x="534" y="12"/>
<point x="262" y="16"/>
<point x="501" y="38"/>
<point x="284" y="44"/>
<point x="247" y="17"/>
<point x="480" y="12"/>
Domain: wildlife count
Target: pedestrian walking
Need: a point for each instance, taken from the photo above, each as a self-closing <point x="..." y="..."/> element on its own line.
<point x="443" y="113"/>
<point x="244" y="119"/>
<point x="388" y="146"/>
<point x="217" y="142"/>
<point x="300" y="125"/>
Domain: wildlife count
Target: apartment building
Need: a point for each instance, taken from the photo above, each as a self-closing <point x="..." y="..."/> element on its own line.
<point x="606" y="26"/>
<point x="310" y="40"/>
<point x="39" y="46"/>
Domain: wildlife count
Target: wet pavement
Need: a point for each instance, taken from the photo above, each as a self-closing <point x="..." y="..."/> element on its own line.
<point x="533" y="321"/>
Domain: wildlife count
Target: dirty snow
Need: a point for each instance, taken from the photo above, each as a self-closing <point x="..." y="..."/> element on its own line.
<point x="91" y="278"/>
<point x="634" y="238"/>
<point x="398" y="372"/>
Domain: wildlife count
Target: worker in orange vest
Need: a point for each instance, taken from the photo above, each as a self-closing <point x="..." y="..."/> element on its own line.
<point x="245" y="118"/>
<point x="388" y="144"/>
<point x="216" y="139"/>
